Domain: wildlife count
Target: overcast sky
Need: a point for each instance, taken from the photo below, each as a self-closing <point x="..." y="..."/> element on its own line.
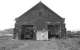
<point x="68" y="9"/>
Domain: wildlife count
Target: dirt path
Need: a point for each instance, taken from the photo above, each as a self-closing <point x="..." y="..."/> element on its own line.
<point x="39" y="45"/>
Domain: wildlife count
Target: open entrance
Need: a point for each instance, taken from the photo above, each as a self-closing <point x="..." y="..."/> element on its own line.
<point x="53" y="31"/>
<point x="42" y="35"/>
<point x="27" y="32"/>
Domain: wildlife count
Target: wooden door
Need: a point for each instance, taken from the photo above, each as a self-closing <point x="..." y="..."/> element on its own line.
<point x="27" y="32"/>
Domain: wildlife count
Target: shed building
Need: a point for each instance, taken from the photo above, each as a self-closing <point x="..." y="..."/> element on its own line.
<point x="39" y="23"/>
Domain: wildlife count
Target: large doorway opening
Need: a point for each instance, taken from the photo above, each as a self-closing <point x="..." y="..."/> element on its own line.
<point x="27" y="32"/>
<point x="53" y="31"/>
<point x="42" y="35"/>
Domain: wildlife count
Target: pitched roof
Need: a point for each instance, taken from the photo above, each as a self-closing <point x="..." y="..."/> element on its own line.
<point x="39" y="6"/>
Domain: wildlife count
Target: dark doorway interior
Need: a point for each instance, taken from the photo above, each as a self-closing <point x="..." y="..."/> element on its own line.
<point x="27" y="32"/>
<point x="53" y="31"/>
